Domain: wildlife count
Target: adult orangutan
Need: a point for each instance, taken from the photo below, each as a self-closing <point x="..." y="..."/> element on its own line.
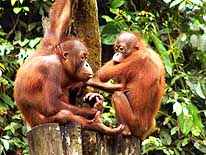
<point x="58" y="65"/>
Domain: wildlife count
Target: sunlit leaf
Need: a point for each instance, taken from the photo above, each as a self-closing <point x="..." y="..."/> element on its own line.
<point x="24" y="42"/>
<point x="2" y="66"/>
<point x="175" y="2"/>
<point x="167" y="1"/>
<point x="114" y="10"/>
<point x="26" y="8"/>
<point x="107" y="18"/>
<point x="13" y="2"/>
<point x="34" y="42"/>
<point x="182" y="6"/>
<point x="197" y="2"/>
<point x="200" y="146"/>
<point x="168" y="151"/>
<point x="167" y="119"/>
<point x="21" y="1"/>
<point x="177" y="108"/>
<point x="17" y="10"/>
<point x="174" y="130"/>
<point x="5" y="144"/>
<point x="185" y="141"/>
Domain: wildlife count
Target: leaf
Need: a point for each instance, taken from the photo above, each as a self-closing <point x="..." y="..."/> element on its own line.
<point x="197" y="2"/>
<point x="199" y="91"/>
<point x="174" y="131"/>
<point x="114" y="11"/>
<point x="5" y="144"/>
<point x="197" y="121"/>
<point x="34" y="42"/>
<point x="24" y="42"/>
<point x="12" y="127"/>
<point x="200" y="146"/>
<point x="26" y="8"/>
<point x="177" y="108"/>
<point x="13" y="2"/>
<point x="202" y="43"/>
<point x="168" y="151"/>
<point x="2" y="66"/>
<point x="167" y="119"/>
<point x="111" y="31"/>
<point x="1" y="149"/>
<point x="152" y="140"/>
<point x="182" y="6"/>
<point x="203" y="87"/>
<point x="181" y="41"/>
<point x="175" y="2"/>
<point x="163" y="52"/>
<point x="185" y="141"/>
<point x="185" y="122"/>
<point x="17" y="10"/>
<point x="117" y="3"/>
<point x="107" y="18"/>
<point x="165" y="137"/>
<point x="167" y="1"/>
<point x="21" y="1"/>
<point x="7" y="100"/>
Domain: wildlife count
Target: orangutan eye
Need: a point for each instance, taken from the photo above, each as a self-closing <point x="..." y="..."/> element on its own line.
<point x="115" y="49"/>
<point x="121" y="49"/>
<point x="82" y="58"/>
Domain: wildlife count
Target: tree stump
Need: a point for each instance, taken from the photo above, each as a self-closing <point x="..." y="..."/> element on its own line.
<point x="118" y="145"/>
<point x="72" y="140"/>
<point x="45" y="140"/>
<point x="52" y="139"/>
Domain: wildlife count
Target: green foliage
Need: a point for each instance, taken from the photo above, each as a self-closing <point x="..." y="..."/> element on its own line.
<point x="176" y="30"/>
<point x="20" y="33"/>
<point x="108" y="116"/>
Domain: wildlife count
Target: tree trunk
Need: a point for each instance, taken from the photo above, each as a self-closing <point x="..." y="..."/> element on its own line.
<point x="86" y="26"/>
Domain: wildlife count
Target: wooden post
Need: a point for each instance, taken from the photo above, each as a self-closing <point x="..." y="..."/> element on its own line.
<point x="45" y="140"/>
<point x="51" y="139"/>
<point x="118" y="145"/>
<point x="72" y="140"/>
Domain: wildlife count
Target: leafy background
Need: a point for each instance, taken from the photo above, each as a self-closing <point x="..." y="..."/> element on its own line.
<point x="175" y="29"/>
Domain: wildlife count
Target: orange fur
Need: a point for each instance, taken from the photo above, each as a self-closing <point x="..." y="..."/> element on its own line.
<point x="44" y="80"/>
<point x="144" y="75"/>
